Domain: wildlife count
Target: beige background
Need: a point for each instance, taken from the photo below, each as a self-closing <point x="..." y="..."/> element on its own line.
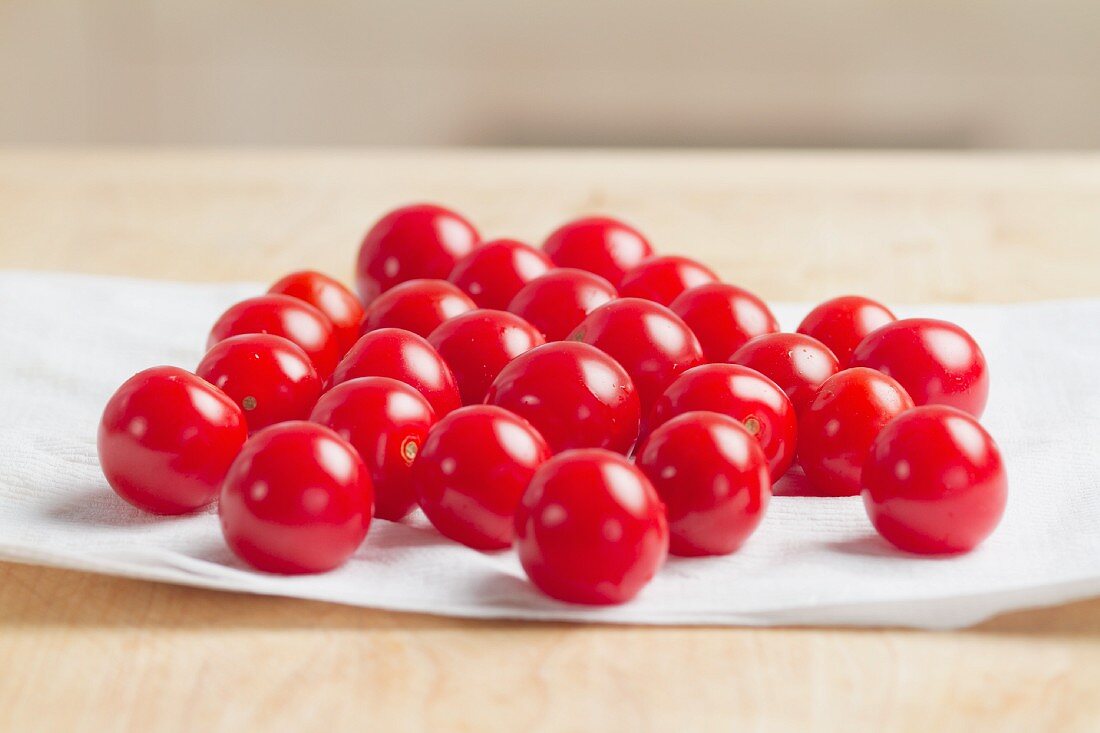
<point x="866" y="73"/>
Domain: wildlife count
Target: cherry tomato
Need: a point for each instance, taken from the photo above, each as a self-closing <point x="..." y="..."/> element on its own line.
<point x="298" y="499"/>
<point x="836" y="429"/>
<point x="662" y="279"/>
<point x="387" y="421"/>
<point x="558" y="301"/>
<point x="744" y="394"/>
<point x="599" y="244"/>
<point x="575" y="395"/>
<point x="166" y="440"/>
<point x="841" y="323"/>
<point x="650" y="342"/>
<point x="418" y="241"/>
<point x="418" y="306"/>
<point x="590" y="528"/>
<point x="723" y="317"/>
<point x="471" y="472"/>
<point x="799" y="364"/>
<point x="328" y="296"/>
<point x="934" y="481"/>
<point x="406" y="357"/>
<point x="282" y="315"/>
<point x="477" y="345"/>
<point x="494" y="272"/>
<point x="713" y="478"/>
<point x="937" y="362"/>
<point x="269" y="377"/>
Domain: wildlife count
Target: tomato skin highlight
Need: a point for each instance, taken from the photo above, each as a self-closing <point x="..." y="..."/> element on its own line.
<point x="329" y="296"/>
<point x="471" y="472"/>
<point x="590" y="528"/>
<point x="575" y="395"/>
<point x="558" y="301"/>
<point x="934" y="481"/>
<point x="298" y="499"/>
<point x="712" y="476"/>
<point x="387" y="422"/>
<point x="599" y="244"/>
<point x="166" y="440"/>
<point x="837" y="429"/>
<point x="409" y="243"/>
<point x="937" y="362"/>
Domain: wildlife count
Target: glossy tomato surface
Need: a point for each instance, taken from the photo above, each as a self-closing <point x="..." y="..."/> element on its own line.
<point x="599" y="244"/>
<point x="558" y="301"/>
<point x="269" y="377"/>
<point x="662" y="279"/>
<point x="297" y="499"/>
<point x="471" y="472"/>
<point x="841" y="323"/>
<point x="282" y="315"/>
<point x="166" y="440"/>
<point x="387" y="422"/>
<point x="799" y="364"/>
<point x="417" y="305"/>
<point x="937" y="362"/>
<point x="417" y="241"/>
<point x="329" y="296"/>
<point x="575" y="395"/>
<point x="713" y="478"/>
<point x="650" y="342"/>
<point x="494" y="272"/>
<point x="723" y="317"/>
<point x="836" y="430"/>
<point x="590" y="528"/>
<point x="478" y="344"/>
<point x="406" y="357"/>
<point x="934" y="481"/>
<point x="744" y="394"/>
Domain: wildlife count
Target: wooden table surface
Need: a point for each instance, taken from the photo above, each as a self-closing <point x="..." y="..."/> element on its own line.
<point x="86" y="652"/>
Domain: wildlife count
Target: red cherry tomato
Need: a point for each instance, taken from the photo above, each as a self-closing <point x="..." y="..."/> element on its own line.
<point x="166" y="440"/>
<point x="328" y="296"/>
<point x="386" y="421"/>
<point x="662" y="279"/>
<point x="723" y="317"/>
<point x="575" y="395"/>
<point x="934" y="481"/>
<point x="418" y="241"/>
<point x="494" y="272"/>
<point x="418" y="306"/>
<point x="298" y="499"/>
<point x="744" y="394"/>
<point x="471" y="472"/>
<point x="599" y="244"/>
<point x="937" y="362"/>
<point x="282" y="315"/>
<point x="590" y="528"/>
<point x="713" y="478"/>
<point x="841" y="323"/>
<point x="406" y="357"/>
<point x="837" y="428"/>
<point x="799" y="364"/>
<point x="269" y="377"/>
<point x="477" y="345"/>
<point x="558" y="301"/>
<point x="650" y="342"/>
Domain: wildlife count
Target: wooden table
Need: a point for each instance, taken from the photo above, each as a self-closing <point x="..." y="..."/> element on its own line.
<point x="85" y="652"/>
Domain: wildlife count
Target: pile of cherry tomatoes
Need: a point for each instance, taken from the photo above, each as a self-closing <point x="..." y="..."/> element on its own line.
<point x="590" y="403"/>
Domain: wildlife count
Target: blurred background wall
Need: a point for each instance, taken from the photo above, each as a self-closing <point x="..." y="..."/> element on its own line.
<point x="843" y="73"/>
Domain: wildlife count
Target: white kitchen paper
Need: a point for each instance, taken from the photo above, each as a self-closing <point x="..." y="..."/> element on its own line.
<point x="69" y="340"/>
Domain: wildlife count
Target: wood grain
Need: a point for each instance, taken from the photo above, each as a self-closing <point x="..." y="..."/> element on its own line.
<point x="85" y="652"/>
